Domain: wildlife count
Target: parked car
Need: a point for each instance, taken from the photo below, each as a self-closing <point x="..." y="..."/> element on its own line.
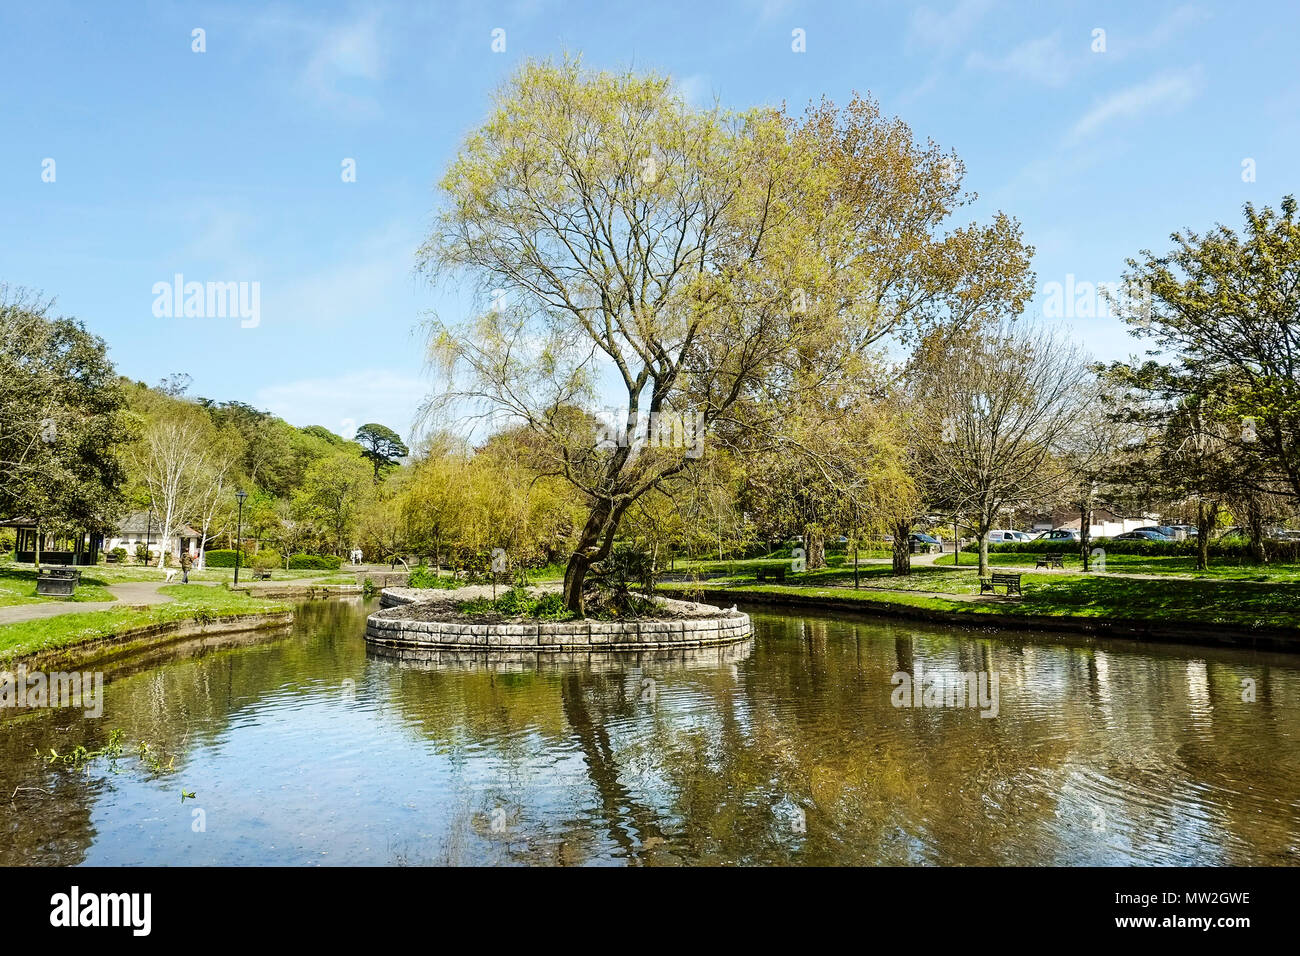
<point x="1170" y="531"/>
<point x="1059" y="534"/>
<point x="1002" y="537"/>
<point x="1143" y="534"/>
<point x="1023" y="535"/>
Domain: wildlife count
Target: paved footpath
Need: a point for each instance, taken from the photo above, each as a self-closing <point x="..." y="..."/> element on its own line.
<point x="128" y="593"/>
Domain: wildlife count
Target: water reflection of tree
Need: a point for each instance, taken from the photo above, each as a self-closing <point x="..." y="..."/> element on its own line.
<point x="718" y="767"/>
<point x="716" y="775"/>
<point x="174" y="699"/>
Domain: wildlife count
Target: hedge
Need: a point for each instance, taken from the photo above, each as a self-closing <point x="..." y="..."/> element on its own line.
<point x="314" y="562"/>
<point x="224" y="558"/>
<point x="1284" y="551"/>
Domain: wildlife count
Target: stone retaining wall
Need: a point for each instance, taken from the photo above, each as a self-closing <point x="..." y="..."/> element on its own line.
<point x="394" y="627"/>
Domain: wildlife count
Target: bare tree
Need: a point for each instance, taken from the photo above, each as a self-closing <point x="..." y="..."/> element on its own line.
<point x="998" y="409"/>
<point x="171" y="457"/>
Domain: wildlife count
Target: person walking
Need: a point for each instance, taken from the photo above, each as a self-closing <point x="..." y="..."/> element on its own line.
<point x="186" y="562"/>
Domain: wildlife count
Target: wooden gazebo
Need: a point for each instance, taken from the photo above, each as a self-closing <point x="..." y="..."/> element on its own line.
<point x="77" y="548"/>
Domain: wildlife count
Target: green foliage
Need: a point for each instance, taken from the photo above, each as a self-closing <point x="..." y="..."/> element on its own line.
<point x="142" y="553"/>
<point x="423" y="576"/>
<point x="1221" y="328"/>
<point x="224" y="558"/>
<point x="627" y="567"/>
<point x="268" y="559"/>
<point x="550" y="606"/>
<point x="519" y="602"/>
<point x="62" y="418"/>
<point x="381" y="445"/>
<point x="477" y="606"/>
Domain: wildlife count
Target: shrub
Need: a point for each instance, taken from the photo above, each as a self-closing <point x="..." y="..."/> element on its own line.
<point x="314" y="562"/>
<point x="423" y="576"/>
<point x="266" y="559"/>
<point x="142" y="553"/>
<point x="476" y="606"/>
<point x="551" y="607"/>
<point x="119" y="553"/>
<point x="626" y="567"/>
<point x="516" y="602"/>
<point x="224" y="558"/>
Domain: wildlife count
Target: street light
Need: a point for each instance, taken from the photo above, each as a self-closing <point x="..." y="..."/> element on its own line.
<point x="239" y="530"/>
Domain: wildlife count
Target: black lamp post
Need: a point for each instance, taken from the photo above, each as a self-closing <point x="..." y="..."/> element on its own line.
<point x="239" y="530"/>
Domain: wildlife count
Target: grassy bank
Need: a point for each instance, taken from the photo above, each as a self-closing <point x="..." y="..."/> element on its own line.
<point x="1221" y="569"/>
<point x="18" y="586"/>
<point x="1240" y="604"/>
<point x="190" y="602"/>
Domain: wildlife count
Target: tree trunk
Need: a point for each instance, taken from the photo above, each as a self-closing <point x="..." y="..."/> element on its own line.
<point x="902" y="551"/>
<point x="984" y="526"/>
<point x="36" y="545"/>
<point x="1085" y="536"/>
<point x="814" y="546"/>
<point x="602" y="523"/>
<point x="1255" y="526"/>
<point x="1207" y="514"/>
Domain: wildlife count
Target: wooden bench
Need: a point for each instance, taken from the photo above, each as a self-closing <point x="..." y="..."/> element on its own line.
<point x="112" y="558"/>
<point x="1055" y="559"/>
<point x="261" y="574"/>
<point x="1001" y="579"/>
<point x="776" y="574"/>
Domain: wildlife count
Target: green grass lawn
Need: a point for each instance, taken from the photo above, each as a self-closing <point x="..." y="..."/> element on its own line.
<point x="115" y="574"/>
<point x="190" y="602"/>
<point x="18" y="586"/>
<point x="923" y="578"/>
<point x="1247" y="603"/>
<point x="1231" y="569"/>
<point x="109" y="574"/>
<point x="747" y="566"/>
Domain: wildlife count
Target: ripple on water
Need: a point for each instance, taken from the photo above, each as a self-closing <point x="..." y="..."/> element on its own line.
<point x="309" y="748"/>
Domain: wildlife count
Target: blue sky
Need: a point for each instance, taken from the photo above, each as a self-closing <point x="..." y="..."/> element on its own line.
<point x="226" y="165"/>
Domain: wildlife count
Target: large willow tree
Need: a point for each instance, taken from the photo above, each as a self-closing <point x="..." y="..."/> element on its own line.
<point x="721" y="270"/>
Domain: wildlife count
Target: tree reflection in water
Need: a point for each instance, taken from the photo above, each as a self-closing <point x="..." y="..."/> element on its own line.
<point x="306" y="747"/>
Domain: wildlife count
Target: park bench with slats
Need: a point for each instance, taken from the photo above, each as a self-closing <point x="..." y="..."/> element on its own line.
<point x="1055" y="559"/>
<point x="1001" y="579"/>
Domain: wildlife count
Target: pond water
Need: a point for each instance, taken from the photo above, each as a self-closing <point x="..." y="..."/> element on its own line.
<point x="303" y="746"/>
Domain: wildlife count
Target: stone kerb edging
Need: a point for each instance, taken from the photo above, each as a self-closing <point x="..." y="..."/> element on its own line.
<point x="393" y="626"/>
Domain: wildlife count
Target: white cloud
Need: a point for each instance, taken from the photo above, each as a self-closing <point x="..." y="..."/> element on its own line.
<point x="1171" y="90"/>
<point x="696" y="89"/>
<point x="1042" y="60"/>
<point x="340" y="58"/>
<point x="1123" y="44"/>
<point x="333" y="65"/>
<point x="373" y="280"/>
<point x="944" y="31"/>
<point x="371" y="395"/>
